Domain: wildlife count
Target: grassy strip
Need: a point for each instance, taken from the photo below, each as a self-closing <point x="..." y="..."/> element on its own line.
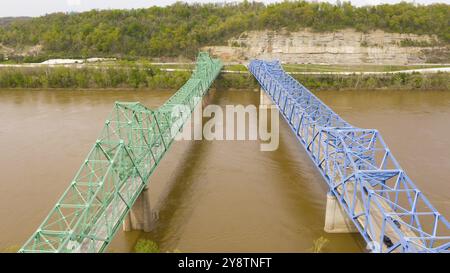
<point x="405" y="81"/>
<point x="299" y="67"/>
<point x="318" y="67"/>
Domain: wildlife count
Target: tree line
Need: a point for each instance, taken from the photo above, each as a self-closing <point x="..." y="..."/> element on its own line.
<point x="181" y="29"/>
<point x="153" y="78"/>
<point x="107" y="77"/>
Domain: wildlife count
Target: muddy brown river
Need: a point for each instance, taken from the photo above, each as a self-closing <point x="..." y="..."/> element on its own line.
<point x="212" y="196"/>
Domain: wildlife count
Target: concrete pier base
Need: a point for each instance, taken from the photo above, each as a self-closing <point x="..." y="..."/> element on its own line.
<point x="140" y="215"/>
<point x="264" y="99"/>
<point x="336" y="220"/>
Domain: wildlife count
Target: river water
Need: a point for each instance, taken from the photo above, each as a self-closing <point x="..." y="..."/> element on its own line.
<point x="212" y="196"/>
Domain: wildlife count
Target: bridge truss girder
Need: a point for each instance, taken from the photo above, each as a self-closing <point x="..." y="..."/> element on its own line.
<point x="389" y="211"/>
<point x="132" y="143"/>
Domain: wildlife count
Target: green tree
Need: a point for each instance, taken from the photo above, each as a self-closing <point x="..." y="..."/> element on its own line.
<point x="146" y="246"/>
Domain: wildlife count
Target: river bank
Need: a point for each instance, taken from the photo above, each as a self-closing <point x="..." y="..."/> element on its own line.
<point x="148" y="77"/>
<point x="403" y="81"/>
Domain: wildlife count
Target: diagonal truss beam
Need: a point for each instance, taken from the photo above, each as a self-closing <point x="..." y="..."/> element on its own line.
<point x="389" y="211"/>
<point x="133" y="142"/>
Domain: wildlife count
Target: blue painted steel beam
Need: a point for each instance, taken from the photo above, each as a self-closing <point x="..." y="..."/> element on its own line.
<point x="389" y="211"/>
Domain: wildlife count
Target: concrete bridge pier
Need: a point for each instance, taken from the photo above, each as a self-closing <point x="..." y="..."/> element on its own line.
<point x="264" y="99"/>
<point x="336" y="220"/>
<point x="140" y="215"/>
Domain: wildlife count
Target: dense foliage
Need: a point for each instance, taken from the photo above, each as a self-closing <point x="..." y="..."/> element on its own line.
<point x="114" y="77"/>
<point x="151" y="78"/>
<point x="181" y="29"/>
<point x="146" y="246"/>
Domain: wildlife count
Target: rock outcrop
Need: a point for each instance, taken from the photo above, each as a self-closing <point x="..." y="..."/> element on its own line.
<point x="345" y="46"/>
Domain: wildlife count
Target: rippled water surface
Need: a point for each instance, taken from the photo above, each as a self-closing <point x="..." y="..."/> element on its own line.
<point x="212" y="195"/>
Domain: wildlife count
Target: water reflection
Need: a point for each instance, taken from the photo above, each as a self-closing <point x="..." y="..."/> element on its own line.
<point x="212" y="196"/>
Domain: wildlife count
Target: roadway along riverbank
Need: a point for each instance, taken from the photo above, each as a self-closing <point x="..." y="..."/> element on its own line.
<point x="422" y="70"/>
<point x="235" y="68"/>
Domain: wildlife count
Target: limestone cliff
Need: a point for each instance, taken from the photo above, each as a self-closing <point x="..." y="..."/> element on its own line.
<point x="345" y="46"/>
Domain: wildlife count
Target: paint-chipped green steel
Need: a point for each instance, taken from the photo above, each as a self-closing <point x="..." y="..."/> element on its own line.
<point x="116" y="170"/>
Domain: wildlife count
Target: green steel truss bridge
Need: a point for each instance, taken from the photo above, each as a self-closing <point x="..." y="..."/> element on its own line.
<point x="116" y="170"/>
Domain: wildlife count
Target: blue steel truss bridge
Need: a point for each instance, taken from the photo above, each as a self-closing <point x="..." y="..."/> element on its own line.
<point x="387" y="209"/>
<point x="385" y="206"/>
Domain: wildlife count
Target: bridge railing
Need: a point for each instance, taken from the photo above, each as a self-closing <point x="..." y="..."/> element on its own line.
<point x="132" y="143"/>
<point x="389" y="211"/>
